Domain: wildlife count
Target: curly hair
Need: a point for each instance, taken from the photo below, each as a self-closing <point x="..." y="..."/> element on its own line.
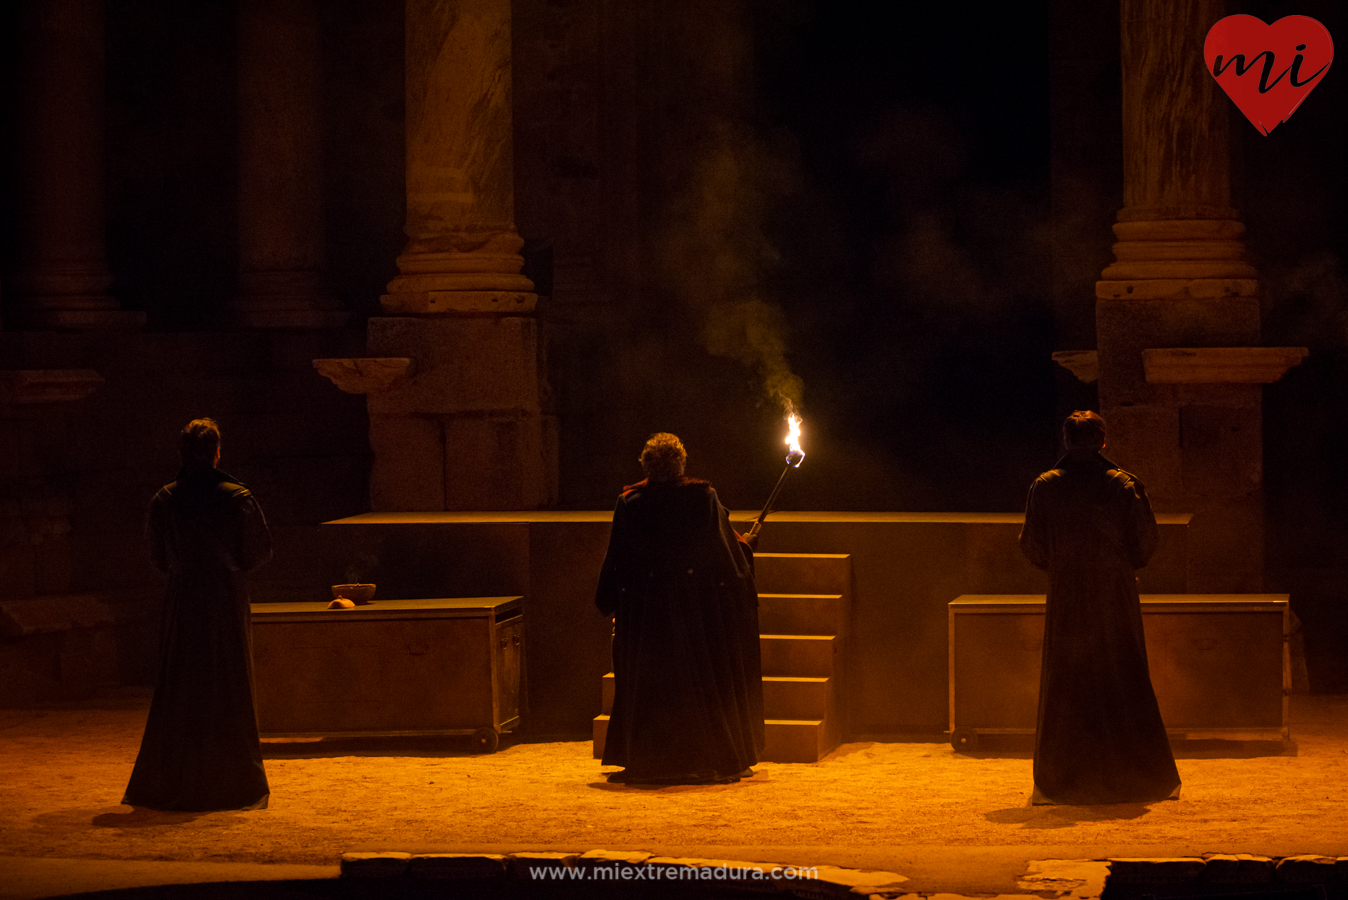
<point x="1083" y="429"/>
<point x="199" y="442"/>
<point x="663" y="457"/>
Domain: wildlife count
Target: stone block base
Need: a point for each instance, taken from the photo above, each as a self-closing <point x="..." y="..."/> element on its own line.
<point x="428" y="463"/>
<point x="464" y="366"/>
<point x="82" y="320"/>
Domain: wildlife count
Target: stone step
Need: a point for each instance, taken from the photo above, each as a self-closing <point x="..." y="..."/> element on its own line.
<point x="599" y="734"/>
<point x="788" y="740"/>
<point x="806" y="573"/>
<point x="786" y="697"/>
<point x="796" y="740"/>
<point x="808" y="655"/>
<point x="802" y="614"/>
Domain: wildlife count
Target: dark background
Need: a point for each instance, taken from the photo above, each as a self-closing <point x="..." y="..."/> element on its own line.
<point x="945" y="177"/>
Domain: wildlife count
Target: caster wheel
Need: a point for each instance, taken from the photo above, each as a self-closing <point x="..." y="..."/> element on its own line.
<point x="964" y="739"/>
<point x="486" y="740"/>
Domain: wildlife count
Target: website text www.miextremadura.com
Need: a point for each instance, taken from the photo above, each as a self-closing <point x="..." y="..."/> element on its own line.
<point x="673" y="873"/>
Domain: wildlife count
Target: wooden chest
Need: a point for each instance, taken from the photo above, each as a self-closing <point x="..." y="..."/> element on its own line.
<point x="1218" y="662"/>
<point x="392" y="667"/>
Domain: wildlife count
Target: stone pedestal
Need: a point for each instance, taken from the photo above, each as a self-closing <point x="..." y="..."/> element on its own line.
<point x="468" y="430"/>
<point x="63" y="280"/>
<point x="1189" y="427"/>
<point x="281" y="246"/>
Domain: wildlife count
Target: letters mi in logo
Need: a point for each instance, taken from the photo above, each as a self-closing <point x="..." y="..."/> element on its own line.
<point x="1268" y="70"/>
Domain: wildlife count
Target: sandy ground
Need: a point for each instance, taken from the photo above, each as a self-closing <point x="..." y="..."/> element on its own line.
<point x="916" y="808"/>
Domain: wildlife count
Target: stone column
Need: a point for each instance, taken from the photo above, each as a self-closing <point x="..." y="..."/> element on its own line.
<point x="1187" y="423"/>
<point x="281" y="225"/>
<point x="63" y="280"/>
<point x="467" y="431"/>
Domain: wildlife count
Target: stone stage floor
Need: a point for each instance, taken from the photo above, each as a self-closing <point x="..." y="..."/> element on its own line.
<point x="945" y="822"/>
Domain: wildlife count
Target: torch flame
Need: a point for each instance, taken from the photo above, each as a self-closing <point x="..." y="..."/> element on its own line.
<point x="794" y="455"/>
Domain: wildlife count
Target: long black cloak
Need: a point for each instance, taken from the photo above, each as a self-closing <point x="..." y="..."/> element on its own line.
<point x="1100" y="738"/>
<point x="200" y="750"/>
<point x="688" y="699"/>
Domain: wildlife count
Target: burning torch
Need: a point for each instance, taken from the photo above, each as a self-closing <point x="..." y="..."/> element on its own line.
<point x="794" y="457"/>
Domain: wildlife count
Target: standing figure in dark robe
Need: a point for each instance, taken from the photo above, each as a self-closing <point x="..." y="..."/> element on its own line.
<point x="1100" y="737"/>
<point x="201" y="750"/>
<point x="678" y="581"/>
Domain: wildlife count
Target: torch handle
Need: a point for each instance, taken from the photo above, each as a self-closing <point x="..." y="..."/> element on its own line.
<point x="767" y="507"/>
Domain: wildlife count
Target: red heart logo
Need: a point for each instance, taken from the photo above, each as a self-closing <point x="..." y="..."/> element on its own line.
<point x="1267" y="70"/>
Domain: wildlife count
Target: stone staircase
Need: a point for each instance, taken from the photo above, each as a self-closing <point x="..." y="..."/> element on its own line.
<point x="804" y="603"/>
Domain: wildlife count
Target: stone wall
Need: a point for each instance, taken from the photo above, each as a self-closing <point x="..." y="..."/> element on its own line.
<point x="80" y="596"/>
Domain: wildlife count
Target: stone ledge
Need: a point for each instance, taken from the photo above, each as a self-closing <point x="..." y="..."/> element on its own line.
<point x="368" y="375"/>
<point x="49" y="613"/>
<point x="1220" y="365"/>
<point x="1240" y="868"/>
<point x="475" y="296"/>
<point x="1084" y="364"/>
<point x="1307" y="869"/>
<point x="1177" y="870"/>
<point x="384" y="864"/>
<point x="1073" y="878"/>
<point x="1177" y="289"/>
<point x="458" y="866"/>
<point x="48" y="385"/>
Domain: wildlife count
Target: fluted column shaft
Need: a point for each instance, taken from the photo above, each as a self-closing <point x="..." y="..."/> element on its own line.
<point x="63" y="280"/>
<point x="1180" y="279"/>
<point x="462" y="249"/>
<point x="468" y="430"/>
<point x="281" y="227"/>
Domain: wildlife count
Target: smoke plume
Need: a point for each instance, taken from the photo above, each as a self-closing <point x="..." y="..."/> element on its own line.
<point x="716" y="255"/>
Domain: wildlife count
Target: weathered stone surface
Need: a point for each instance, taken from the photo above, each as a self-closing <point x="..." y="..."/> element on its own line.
<point x="460" y="193"/>
<point x="499" y="302"/>
<point x="611" y="857"/>
<point x="1220" y="365"/>
<point x="281" y="234"/>
<point x="832" y="881"/>
<point x="48" y="385"/>
<point x="735" y="874"/>
<point x="64" y="612"/>
<point x="368" y="375"/>
<point x="1125" y="328"/>
<point x="1308" y="869"/>
<point x="1178" y="870"/>
<point x="1080" y="879"/>
<point x="1145" y="440"/>
<point x="1240" y="868"/>
<point x="609" y="865"/>
<point x="527" y="865"/>
<point x="1176" y="289"/>
<point x="497" y="463"/>
<point x="1175" y="123"/>
<point x="1084" y="364"/>
<point x="379" y="864"/>
<point x="457" y="866"/>
<point x="63" y="280"/>
<point x="477" y="365"/>
<point x="408" y="470"/>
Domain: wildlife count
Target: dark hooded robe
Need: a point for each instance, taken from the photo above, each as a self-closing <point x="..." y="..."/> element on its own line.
<point x="688" y="698"/>
<point x="201" y="750"/>
<point x="1100" y="738"/>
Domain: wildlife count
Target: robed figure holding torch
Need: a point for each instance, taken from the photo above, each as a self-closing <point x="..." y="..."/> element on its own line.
<point x="679" y="584"/>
